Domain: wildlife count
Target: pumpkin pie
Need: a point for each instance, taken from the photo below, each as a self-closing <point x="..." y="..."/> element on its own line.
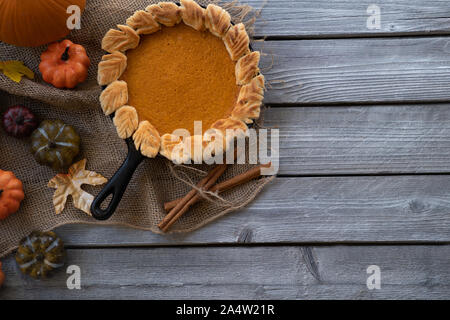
<point x="171" y="65"/>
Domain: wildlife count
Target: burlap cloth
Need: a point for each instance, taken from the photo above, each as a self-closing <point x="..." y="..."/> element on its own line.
<point x="153" y="183"/>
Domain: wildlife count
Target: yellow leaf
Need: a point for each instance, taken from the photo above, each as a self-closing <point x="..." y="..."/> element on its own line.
<point x="15" y="70"/>
<point x="70" y="184"/>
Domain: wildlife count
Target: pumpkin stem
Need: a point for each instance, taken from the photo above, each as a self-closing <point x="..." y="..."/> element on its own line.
<point x="65" y="55"/>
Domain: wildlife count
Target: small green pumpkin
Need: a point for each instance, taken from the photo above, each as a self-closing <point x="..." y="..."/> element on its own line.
<point x="40" y="253"/>
<point x="55" y="144"/>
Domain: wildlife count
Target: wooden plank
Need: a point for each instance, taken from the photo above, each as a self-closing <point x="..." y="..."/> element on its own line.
<point x="363" y="140"/>
<point x="407" y="272"/>
<point x="357" y="70"/>
<point x="325" y="18"/>
<point x="305" y="210"/>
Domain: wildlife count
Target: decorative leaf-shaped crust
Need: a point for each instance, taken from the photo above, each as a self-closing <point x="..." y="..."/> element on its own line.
<point x="147" y="140"/>
<point x="247" y="68"/>
<point x="221" y="135"/>
<point x="182" y="150"/>
<point x="166" y="13"/>
<point x="120" y="40"/>
<point x="230" y="127"/>
<point x="193" y="15"/>
<point x="126" y="121"/>
<point x="114" y="97"/>
<point x="143" y="22"/>
<point x="237" y="41"/>
<point x="217" y="20"/>
<point x="248" y="106"/>
<point x="172" y="147"/>
<point x="247" y="112"/>
<point x="111" y="67"/>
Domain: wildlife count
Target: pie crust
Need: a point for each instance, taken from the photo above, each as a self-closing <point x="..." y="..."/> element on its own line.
<point x="247" y="68"/>
<point x="237" y="42"/>
<point x="111" y="68"/>
<point x="146" y="139"/>
<point x="165" y="13"/>
<point x="193" y="14"/>
<point x="126" y="121"/>
<point x="123" y="40"/>
<point x="249" y="101"/>
<point x="143" y="22"/>
<point x="115" y="97"/>
<point x="217" y="21"/>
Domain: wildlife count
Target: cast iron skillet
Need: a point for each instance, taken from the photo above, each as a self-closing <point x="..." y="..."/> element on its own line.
<point x="117" y="185"/>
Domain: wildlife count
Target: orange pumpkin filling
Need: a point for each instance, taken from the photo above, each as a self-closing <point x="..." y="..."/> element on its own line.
<point x="179" y="75"/>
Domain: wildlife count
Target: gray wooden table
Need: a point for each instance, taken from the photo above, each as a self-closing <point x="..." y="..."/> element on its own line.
<point x="364" y="119"/>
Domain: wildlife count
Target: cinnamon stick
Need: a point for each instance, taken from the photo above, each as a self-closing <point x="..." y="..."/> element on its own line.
<point x="187" y="197"/>
<point x="183" y="206"/>
<point x="247" y="176"/>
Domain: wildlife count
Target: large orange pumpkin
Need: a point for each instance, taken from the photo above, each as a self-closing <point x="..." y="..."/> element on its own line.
<point x="31" y="23"/>
<point x="11" y="193"/>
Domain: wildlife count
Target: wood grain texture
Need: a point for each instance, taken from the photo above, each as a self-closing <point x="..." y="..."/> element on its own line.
<point x="362" y="209"/>
<point x="362" y="139"/>
<point x="329" y="272"/>
<point x="343" y="71"/>
<point x="337" y="18"/>
<point x="357" y="70"/>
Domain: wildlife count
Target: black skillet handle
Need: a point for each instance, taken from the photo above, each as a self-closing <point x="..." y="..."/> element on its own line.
<point x="117" y="185"/>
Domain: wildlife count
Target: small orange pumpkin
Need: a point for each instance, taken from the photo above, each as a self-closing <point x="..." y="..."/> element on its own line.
<point x="2" y="275"/>
<point x="64" y="64"/>
<point x="11" y="194"/>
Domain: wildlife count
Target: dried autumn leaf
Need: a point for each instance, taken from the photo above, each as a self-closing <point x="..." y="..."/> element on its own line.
<point x="70" y="184"/>
<point x="15" y="70"/>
